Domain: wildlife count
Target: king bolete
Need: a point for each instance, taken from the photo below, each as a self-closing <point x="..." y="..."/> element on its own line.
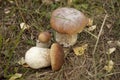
<point x="67" y="22"/>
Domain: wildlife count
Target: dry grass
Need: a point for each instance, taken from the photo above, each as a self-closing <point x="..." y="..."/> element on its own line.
<point x="14" y="42"/>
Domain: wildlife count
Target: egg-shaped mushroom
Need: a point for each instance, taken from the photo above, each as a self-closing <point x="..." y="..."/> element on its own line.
<point x="37" y="57"/>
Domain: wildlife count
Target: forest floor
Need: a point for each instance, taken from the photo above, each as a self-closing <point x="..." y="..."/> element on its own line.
<point x="14" y="41"/>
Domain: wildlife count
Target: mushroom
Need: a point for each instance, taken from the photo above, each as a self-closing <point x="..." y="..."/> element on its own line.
<point x="67" y="22"/>
<point x="37" y="57"/>
<point x="44" y="39"/>
<point x="56" y="56"/>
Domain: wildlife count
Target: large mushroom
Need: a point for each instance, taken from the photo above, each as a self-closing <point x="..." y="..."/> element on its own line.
<point x="37" y="57"/>
<point x="67" y="22"/>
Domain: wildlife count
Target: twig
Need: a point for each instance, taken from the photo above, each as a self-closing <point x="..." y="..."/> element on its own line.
<point x="90" y="33"/>
<point x="112" y="74"/>
<point x="93" y="53"/>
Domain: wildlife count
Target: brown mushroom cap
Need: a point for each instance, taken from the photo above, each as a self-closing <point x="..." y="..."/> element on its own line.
<point x="68" y="20"/>
<point x="44" y="37"/>
<point x="56" y="56"/>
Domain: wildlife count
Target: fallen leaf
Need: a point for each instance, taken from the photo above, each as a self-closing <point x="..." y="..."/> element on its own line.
<point x="90" y="22"/>
<point x="16" y="76"/>
<point x="109" y="42"/>
<point x="24" y="26"/>
<point x="22" y="62"/>
<point x="111" y="50"/>
<point x="11" y="1"/>
<point x="118" y="43"/>
<point x="80" y="50"/>
<point x="114" y="43"/>
<point x="91" y="28"/>
<point x="109" y="66"/>
<point x="110" y="63"/>
<point x="6" y="10"/>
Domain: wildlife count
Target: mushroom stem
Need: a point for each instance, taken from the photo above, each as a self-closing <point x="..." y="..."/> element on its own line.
<point x="65" y="39"/>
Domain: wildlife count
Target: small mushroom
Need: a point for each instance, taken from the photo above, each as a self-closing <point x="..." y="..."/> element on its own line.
<point x="37" y="57"/>
<point x="44" y="39"/>
<point x="67" y="22"/>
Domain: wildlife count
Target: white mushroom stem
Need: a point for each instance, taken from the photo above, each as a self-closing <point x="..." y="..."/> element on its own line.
<point x="37" y="57"/>
<point x="42" y="45"/>
<point x="65" y="39"/>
